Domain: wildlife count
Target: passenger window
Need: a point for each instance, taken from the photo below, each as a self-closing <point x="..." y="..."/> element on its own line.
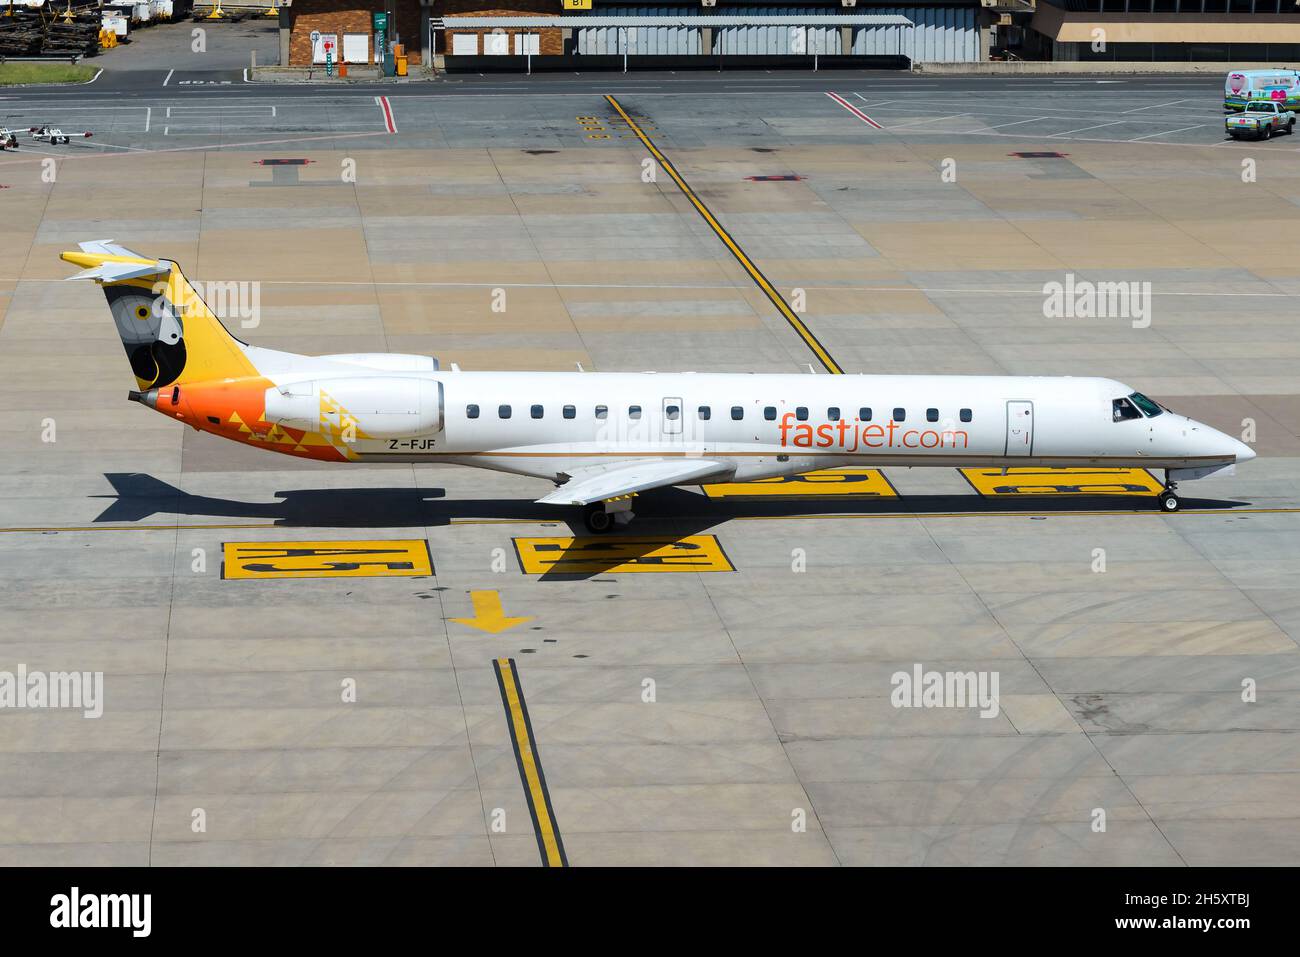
<point x="602" y="411"/>
<point x="965" y="415"/>
<point x="801" y="413"/>
<point x="672" y="412"/>
<point x="737" y="412"/>
<point x="503" y="411"/>
<point x="1122" y="409"/>
<point x="864" y="414"/>
<point x="900" y="415"/>
<point x="833" y="413"/>
<point x="634" y="411"/>
<point x="471" y="412"/>
<point x="536" y="411"/>
<point x="705" y="413"/>
<point x="570" y="411"/>
<point x="769" y="413"/>
<point x="932" y="415"/>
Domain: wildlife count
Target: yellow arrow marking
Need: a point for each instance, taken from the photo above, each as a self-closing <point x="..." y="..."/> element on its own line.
<point x="488" y="615"/>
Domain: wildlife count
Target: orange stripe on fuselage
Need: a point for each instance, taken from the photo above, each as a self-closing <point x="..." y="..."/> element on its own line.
<point x="235" y="409"/>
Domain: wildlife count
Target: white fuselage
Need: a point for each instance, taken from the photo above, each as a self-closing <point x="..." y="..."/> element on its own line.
<point x="548" y="424"/>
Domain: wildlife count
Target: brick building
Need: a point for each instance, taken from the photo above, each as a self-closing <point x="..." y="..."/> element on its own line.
<point x="408" y="25"/>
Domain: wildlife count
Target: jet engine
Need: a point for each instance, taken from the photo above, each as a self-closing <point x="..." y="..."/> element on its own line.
<point x="382" y="407"/>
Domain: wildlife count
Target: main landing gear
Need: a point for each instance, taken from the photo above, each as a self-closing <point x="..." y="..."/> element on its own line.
<point x="602" y="517"/>
<point x="1168" y="499"/>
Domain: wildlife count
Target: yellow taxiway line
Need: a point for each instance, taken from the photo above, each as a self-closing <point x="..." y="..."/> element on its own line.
<point x="783" y="307"/>
<point x="549" y="842"/>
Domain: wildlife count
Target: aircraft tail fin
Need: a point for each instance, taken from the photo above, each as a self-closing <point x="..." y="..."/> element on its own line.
<point x="170" y="335"/>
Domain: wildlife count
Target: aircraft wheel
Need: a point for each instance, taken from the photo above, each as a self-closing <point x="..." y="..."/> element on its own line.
<point x="597" y="519"/>
<point x="1169" y="502"/>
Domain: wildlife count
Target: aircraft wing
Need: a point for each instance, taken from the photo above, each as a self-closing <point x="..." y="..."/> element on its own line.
<point x="598" y="483"/>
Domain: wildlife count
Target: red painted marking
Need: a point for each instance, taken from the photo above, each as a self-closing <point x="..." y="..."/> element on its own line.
<point x="388" y="113"/>
<point x="854" y="110"/>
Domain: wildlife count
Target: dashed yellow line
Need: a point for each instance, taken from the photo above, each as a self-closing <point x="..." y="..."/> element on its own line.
<point x="549" y="842"/>
<point x="746" y="263"/>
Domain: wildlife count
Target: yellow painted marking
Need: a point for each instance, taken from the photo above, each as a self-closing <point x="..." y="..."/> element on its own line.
<point x="1066" y="481"/>
<point x="852" y="483"/>
<point x="347" y="559"/>
<point x="617" y="554"/>
<point x="759" y="279"/>
<point x="488" y="614"/>
<point x="548" y="838"/>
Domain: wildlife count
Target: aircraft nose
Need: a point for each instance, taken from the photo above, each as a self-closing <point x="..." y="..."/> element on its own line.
<point x="1243" y="451"/>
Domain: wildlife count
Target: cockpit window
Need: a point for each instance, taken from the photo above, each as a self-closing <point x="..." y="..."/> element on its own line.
<point x="1122" y="409"/>
<point x="1149" y="408"/>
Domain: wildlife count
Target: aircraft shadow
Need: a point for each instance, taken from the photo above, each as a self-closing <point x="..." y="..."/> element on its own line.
<point x="670" y="512"/>
<point x="138" y="496"/>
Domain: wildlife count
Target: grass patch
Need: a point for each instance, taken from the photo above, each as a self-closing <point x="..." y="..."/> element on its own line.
<point x="12" y="74"/>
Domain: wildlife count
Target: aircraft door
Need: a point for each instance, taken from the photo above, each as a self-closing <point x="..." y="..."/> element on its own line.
<point x="1020" y="428"/>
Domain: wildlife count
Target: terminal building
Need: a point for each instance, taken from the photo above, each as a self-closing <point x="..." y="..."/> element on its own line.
<point x="517" y="35"/>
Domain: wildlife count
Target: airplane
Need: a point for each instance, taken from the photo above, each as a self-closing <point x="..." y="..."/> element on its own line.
<point x="602" y="438"/>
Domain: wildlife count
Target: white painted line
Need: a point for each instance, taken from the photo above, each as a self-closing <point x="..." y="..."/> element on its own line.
<point x="1156" y="106"/>
<point x="1168" y="132"/>
<point x="854" y="110"/>
<point x="219" y="146"/>
<point x="1017" y="123"/>
<point x="148" y="117"/>
<point x="1083" y="128"/>
<point x="912" y="124"/>
<point x="168" y="77"/>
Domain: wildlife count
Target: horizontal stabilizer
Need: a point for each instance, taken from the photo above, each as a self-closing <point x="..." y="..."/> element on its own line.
<point x="107" y="247"/>
<point x="598" y="483"/>
<point x="111" y="272"/>
<point x="105" y="261"/>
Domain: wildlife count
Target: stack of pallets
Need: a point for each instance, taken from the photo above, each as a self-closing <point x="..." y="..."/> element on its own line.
<point x="29" y="33"/>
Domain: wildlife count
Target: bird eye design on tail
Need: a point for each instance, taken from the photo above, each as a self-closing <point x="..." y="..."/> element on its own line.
<point x="152" y="333"/>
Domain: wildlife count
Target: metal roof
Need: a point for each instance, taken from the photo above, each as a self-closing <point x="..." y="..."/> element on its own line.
<point x="685" y="20"/>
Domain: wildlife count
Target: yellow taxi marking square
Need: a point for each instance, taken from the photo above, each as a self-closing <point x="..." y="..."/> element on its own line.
<point x="617" y="554"/>
<point x="857" y="483"/>
<point x="1074" y="481"/>
<point x="390" y="559"/>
